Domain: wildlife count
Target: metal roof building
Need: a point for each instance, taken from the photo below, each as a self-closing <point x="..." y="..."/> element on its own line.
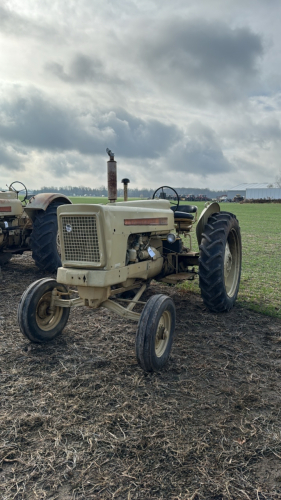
<point x="255" y="191"/>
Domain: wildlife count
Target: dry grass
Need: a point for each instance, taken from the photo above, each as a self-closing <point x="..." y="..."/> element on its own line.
<point x="80" y="420"/>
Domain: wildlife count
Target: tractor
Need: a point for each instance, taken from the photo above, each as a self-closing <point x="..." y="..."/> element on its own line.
<point x="110" y="253"/>
<point x="30" y="224"/>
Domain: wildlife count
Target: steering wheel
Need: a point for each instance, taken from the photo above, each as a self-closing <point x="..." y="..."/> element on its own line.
<point x="11" y="188"/>
<point x="162" y="195"/>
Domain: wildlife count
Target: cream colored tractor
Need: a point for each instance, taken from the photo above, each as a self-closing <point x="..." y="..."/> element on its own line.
<point x="110" y="250"/>
<point x="30" y="225"/>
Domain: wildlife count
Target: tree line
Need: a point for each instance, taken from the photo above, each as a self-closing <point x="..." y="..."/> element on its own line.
<point x="132" y="192"/>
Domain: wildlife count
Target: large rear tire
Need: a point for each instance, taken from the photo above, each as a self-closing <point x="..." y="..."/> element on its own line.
<point x="37" y="322"/>
<point x="44" y="239"/>
<point x="155" y="333"/>
<point x="220" y="260"/>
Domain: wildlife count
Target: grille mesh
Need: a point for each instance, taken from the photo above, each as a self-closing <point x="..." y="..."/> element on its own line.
<point x="80" y="238"/>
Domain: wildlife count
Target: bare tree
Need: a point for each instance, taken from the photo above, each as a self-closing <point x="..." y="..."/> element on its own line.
<point x="278" y="179"/>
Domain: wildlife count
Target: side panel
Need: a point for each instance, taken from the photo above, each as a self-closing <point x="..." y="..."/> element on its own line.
<point x="10" y="208"/>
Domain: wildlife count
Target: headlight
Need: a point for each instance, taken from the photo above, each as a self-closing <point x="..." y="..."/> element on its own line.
<point x="171" y="238"/>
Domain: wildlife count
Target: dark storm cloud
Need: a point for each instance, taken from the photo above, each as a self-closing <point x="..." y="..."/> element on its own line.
<point x="138" y="138"/>
<point x="199" y="154"/>
<point x="199" y="59"/>
<point x="36" y="122"/>
<point x="203" y="159"/>
<point x="82" y="69"/>
<point x="61" y="165"/>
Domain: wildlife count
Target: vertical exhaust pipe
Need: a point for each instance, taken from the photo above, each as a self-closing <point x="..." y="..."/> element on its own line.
<point x="111" y="177"/>
<point x="125" y="183"/>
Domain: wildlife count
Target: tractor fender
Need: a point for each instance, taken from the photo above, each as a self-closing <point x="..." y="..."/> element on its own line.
<point x="41" y="201"/>
<point x="210" y="209"/>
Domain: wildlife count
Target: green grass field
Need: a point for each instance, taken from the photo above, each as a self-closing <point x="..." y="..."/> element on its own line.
<point x="261" y="267"/>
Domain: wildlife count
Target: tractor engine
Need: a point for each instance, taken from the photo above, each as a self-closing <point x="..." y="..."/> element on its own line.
<point x="143" y="247"/>
<point x="14" y="226"/>
<point x="107" y="245"/>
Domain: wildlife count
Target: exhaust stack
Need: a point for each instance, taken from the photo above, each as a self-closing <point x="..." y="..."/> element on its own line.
<point x="125" y="183"/>
<point x="111" y="177"/>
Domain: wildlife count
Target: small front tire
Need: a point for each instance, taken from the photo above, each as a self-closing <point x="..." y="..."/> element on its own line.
<point x="155" y="333"/>
<point x="35" y="319"/>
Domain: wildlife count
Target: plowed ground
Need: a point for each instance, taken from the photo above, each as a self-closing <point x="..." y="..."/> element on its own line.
<point x="81" y="420"/>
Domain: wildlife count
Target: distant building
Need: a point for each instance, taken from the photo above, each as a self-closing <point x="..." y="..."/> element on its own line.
<point x="255" y="191"/>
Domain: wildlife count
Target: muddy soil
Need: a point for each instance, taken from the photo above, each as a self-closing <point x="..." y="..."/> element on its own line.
<point x="81" y="420"/>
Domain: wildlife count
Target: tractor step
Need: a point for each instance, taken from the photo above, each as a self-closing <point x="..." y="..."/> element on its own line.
<point x="175" y="278"/>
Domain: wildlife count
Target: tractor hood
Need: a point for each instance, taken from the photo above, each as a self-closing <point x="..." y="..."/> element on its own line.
<point x="96" y="236"/>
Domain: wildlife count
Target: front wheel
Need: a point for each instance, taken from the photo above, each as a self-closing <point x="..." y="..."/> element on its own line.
<point x="220" y="260"/>
<point x="155" y="333"/>
<point x="36" y="320"/>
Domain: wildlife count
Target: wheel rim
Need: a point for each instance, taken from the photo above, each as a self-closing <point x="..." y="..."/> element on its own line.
<point x="46" y="319"/>
<point x="163" y="334"/>
<point x="232" y="263"/>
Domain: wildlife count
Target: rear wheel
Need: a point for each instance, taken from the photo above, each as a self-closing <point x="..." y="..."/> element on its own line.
<point x="155" y="333"/>
<point x="220" y="261"/>
<point x="44" y="240"/>
<point x="37" y="322"/>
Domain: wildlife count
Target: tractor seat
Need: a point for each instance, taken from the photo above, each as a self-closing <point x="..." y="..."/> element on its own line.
<point x="190" y="209"/>
<point x="183" y="215"/>
<point x="185" y="211"/>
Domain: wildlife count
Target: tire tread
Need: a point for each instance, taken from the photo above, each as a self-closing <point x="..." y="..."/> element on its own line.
<point x="43" y="239"/>
<point x="211" y="261"/>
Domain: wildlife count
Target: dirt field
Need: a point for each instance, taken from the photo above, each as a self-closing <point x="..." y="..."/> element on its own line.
<point x="80" y="419"/>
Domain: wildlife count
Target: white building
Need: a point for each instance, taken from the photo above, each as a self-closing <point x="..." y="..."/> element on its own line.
<point x="255" y="191"/>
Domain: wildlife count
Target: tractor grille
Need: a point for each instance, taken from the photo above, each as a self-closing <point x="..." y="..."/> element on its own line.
<point x="80" y="238"/>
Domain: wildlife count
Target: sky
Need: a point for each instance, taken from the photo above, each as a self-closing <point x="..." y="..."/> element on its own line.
<point x="186" y="94"/>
